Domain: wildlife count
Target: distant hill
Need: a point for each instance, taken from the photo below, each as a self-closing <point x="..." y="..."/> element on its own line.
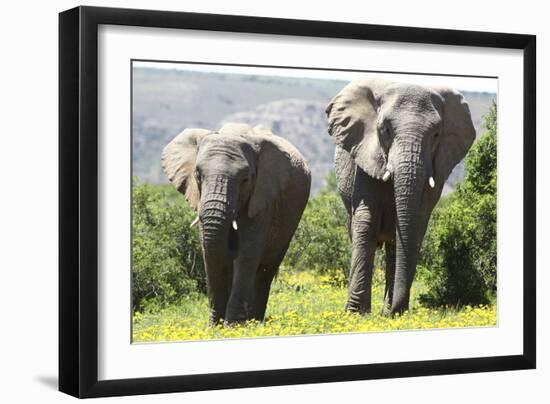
<point x="301" y="122"/>
<point x="167" y="101"/>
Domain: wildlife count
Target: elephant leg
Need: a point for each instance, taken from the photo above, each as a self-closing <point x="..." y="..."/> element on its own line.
<point x="364" y="239"/>
<point x="218" y="293"/>
<point x="264" y="279"/>
<point x="390" y="277"/>
<point x="242" y="298"/>
<point x="229" y="279"/>
<point x="240" y="306"/>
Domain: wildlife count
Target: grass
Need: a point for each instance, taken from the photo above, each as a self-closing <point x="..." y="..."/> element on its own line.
<point x="303" y="304"/>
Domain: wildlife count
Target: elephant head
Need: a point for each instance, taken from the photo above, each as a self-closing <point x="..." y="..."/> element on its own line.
<point x="231" y="177"/>
<point x="410" y="135"/>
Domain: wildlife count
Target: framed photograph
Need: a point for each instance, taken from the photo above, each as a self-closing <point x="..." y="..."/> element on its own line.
<point x="251" y="201"/>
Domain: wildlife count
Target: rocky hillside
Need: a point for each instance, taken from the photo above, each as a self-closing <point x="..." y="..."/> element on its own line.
<point x="298" y="121"/>
<point x="167" y="101"/>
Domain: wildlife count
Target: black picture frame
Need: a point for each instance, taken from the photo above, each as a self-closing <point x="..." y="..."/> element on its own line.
<point x="78" y="201"/>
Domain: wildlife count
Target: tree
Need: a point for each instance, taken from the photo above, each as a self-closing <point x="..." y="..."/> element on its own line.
<point x="330" y="183"/>
<point x="321" y="242"/>
<point x="167" y="261"/>
<point x="458" y="256"/>
<point x="481" y="163"/>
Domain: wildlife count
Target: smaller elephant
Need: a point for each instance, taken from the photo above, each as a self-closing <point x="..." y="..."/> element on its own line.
<point x="250" y="189"/>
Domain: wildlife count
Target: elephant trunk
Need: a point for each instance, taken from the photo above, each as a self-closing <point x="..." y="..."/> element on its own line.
<point x="219" y="241"/>
<point x="409" y="177"/>
<point x="217" y="211"/>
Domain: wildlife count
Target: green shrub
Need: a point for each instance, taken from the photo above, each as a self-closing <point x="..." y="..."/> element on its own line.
<point x="459" y="253"/>
<point x="321" y="242"/>
<point x="167" y="261"/>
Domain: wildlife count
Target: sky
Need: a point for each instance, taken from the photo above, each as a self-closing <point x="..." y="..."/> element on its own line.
<point x="462" y="83"/>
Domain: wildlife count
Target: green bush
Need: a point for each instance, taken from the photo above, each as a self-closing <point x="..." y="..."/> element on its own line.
<point x="459" y="253"/>
<point x="167" y="261"/>
<point x="321" y="242"/>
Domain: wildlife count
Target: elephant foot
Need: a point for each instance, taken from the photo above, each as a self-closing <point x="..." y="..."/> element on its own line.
<point x="239" y="313"/>
<point x="386" y="308"/>
<point x="215" y="319"/>
<point x="215" y="323"/>
<point x="234" y="319"/>
<point x="259" y="317"/>
<point x="393" y="311"/>
<point x="386" y="312"/>
<point x="357" y="308"/>
<point x="233" y="323"/>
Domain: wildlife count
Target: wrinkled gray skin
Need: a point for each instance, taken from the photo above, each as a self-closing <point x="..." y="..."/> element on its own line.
<point x="403" y="134"/>
<point x="256" y="179"/>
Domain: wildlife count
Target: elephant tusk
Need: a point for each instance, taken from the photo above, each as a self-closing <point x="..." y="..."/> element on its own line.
<point x="194" y="222"/>
<point x="386" y="176"/>
<point x="431" y="182"/>
<point x="235" y="225"/>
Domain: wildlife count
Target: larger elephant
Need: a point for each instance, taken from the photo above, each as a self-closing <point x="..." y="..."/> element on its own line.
<point x="250" y="188"/>
<point x="396" y="146"/>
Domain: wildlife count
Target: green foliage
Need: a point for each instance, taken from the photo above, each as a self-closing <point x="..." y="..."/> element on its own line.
<point x="166" y="255"/>
<point x="330" y="184"/>
<point x="481" y="164"/>
<point x="321" y="242"/>
<point x="458" y="257"/>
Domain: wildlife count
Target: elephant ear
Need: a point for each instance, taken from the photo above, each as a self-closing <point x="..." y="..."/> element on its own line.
<point x="178" y="162"/>
<point x="457" y="133"/>
<point x="353" y="124"/>
<point x="273" y="167"/>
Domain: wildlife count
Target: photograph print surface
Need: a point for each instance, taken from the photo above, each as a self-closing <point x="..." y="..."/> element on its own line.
<point x="285" y="201"/>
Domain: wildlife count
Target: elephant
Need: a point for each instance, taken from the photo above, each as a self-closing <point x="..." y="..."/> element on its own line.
<point x="250" y="188"/>
<point x="396" y="145"/>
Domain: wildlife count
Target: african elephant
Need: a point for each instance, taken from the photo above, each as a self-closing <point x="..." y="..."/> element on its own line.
<point x="396" y="145"/>
<point x="250" y="188"/>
